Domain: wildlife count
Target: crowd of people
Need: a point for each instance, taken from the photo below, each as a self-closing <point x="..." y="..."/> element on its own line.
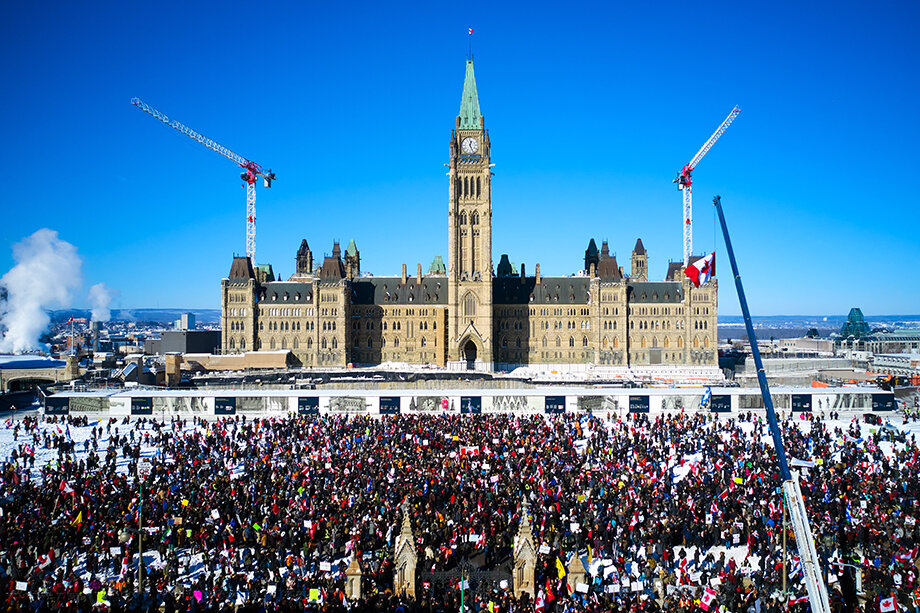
<point x="667" y="512"/>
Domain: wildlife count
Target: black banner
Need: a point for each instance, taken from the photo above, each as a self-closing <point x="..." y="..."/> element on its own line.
<point x="721" y="403"/>
<point x="389" y="405"/>
<point x="57" y="405"/>
<point x="471" y="404"/>
<point x="638" y="404"/>
<point x="225" y="406"/>
<point x="883" y="402"/>
<point x="801" y="402"/>
<point x="308" y="405"/>
<point x="141" y="406"/>
<point x="555" y="404"/>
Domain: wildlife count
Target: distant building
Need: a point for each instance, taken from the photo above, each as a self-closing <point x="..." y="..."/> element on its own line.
<point x="465" y="314"/>
<point x="186" y="321"/>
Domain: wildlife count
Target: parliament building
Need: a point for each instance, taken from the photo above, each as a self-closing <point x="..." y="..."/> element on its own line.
<point x="468" y="314"/>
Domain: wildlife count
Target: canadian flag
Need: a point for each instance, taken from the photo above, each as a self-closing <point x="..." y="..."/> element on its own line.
<point x="70" y="321"/>
<point x="470" y="449"/>
<point x="887" y="604"/>
<point x="709" y="595"/>
<point x="45" y="560"/>
<point x="702" y="270"/>
<point x="799" y="600"/>
<point x="540" y="604"/>
<point x="471" y="31"/>
<point x="65" y="488"/>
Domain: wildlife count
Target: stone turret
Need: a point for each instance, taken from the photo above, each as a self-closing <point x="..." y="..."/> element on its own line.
<point x="639" y="270"/>
<point x="406" y="557"/>
<point x="525" y="555"/>
<point x="304" y="259"/>
<point x="576" y="573"/>
<point x="353" y="580"/>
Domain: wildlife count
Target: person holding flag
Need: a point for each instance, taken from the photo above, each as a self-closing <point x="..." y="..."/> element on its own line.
<point x="706" y="399"/>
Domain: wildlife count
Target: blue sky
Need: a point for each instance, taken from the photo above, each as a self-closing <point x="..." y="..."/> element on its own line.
<point x="592" y="109"/>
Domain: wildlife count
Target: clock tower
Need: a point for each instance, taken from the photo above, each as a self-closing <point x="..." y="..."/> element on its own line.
<point x="469" y="267"/>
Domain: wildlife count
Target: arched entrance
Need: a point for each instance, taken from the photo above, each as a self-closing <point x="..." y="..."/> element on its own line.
<point x="469" y="354"/>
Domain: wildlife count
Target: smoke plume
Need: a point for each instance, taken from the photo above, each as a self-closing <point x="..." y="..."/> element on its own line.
<point x="47" y="272"/>
<point x="100" y="297"/>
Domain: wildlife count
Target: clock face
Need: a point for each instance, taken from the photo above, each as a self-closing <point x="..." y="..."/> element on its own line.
<point x="469" y="145"/>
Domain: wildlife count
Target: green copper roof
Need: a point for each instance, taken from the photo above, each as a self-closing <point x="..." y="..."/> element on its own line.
<point x="470" y="117"/>
<point x="352" y="248"/>
<point x="437" y="266"/>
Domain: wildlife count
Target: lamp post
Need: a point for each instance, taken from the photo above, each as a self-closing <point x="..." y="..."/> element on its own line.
<point x="143" y="471"/>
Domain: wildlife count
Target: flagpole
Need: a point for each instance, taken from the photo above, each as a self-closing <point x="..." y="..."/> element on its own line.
<point x="784" y="546"/>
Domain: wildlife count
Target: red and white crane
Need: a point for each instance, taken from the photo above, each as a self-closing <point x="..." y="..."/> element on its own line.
<point x="683" y="181"/>
<point x="250" y="176"/>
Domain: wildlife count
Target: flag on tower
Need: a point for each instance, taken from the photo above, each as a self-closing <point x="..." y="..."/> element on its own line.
<point x="471" y="31"/>
<point x="70" y="321"/>
<point x="702" y="270"/>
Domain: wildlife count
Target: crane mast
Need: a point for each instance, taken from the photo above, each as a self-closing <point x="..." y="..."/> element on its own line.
<point x="252" y="171"/>
<point x="684" y="182"/>
<point x="792" y="493"/>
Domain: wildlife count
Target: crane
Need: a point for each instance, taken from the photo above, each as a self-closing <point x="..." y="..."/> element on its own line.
<point x="792" y="492"/>
<point x="252" y="171"/>
<point x="683" y="181"/>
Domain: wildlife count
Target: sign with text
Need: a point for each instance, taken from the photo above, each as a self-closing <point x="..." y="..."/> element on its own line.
<point x="721" y="403"/>
<point x="308" y="405"/>
<point x="471" y="404"/>
<point x="142" y="406"/>
<point x="801" y="402"/>
<point x="638" y="404"/>
<point x="225" y="406"/>
<point x="883" y="402"/>
<point x="555" y="404"/>
<point x="389" y="405"/>
<point x="55" y="405"/>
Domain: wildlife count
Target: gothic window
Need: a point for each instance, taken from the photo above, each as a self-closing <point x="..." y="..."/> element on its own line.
<point x="584" y="341"/>
<point x="396" y="342"/>
<point x="424" y="342"/>
<point x="558" y="342"/>
<point x="296" y="343"/>
<point x="370" y="343"/>
<point x="335" y="343"/>
<point x="271" y="344"/>
<point x="478" y="186"/>
<point x="469" y="306"/>
<point x="462" y="219"/>
<point x="571" y="341"/>
<point x="544" y="341"/>
<point x="333" y="325"/>
<point x="242" y="343"/>
<point x="284" y="343"/>
<point x="323" y="344"/>
<point x="680" y="342"/>
<point x="232" y="344"/>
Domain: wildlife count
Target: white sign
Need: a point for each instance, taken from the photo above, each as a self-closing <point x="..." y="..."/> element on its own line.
<point x="115" y="551"/>
<point x="325" y="566"/>
<point x="581" y="587"/>
<point x="544" y="549"/>
<point x="144" y="467"/>
<point x="215" y="514"/>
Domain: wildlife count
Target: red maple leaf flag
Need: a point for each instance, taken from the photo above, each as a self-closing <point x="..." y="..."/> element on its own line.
<point x="709" y="595"/>
<point x="471" y="31"/>
<point x="702" y="270"/>
<point x="799" y="600"/>
<point x="887" y="604"/>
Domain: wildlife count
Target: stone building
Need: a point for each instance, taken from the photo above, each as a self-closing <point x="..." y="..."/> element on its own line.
<point x="468" y="314"/>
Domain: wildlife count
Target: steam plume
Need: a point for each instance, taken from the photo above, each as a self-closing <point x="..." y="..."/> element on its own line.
<point x="100" y="297"/>
<point x="47" y="272"/>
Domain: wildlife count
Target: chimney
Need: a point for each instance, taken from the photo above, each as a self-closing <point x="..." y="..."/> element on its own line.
<point x="418" y="275"/>
<point x="523" y="276"/>
<point x="404" y="274"/>
<point x="592" y="272"/>
<point x="538" y="274"/>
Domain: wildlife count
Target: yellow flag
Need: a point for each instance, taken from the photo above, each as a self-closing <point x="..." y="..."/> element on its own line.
<point x="77" y="520"/>
<point x="491" y="607"/>
<point x="560" y="567"/>
<point x="314" y="594"/>
<point x="739" y="480"/>
<point x="185" y="502"/>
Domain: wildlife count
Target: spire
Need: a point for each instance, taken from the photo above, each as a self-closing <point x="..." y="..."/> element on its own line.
<point x="470" y="117"/>
<point x="352" y="249"/>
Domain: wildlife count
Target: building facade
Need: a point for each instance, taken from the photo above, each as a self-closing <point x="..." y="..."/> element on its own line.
<point x="468" y="313"/>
